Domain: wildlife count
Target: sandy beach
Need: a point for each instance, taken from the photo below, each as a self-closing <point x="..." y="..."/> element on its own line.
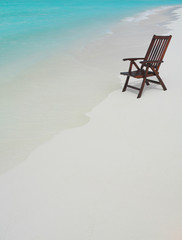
<point x="57" y="92"/>
<point x="117" y="175"/>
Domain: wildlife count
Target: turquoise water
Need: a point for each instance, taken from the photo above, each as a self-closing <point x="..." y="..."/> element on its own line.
<point x="32" y="26"/>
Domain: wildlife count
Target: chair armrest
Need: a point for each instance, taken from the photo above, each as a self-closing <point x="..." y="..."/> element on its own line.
<point x="150" y="62"/>
<point x="132" y="59"/>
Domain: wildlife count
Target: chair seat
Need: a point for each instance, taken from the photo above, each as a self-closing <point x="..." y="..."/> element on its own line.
<point x="138" y="74"/>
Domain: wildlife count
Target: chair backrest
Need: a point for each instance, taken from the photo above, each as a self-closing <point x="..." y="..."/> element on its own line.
<point x="157" y="49"/>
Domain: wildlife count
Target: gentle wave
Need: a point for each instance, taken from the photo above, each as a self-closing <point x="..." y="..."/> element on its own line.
<point x="146" y="14"/>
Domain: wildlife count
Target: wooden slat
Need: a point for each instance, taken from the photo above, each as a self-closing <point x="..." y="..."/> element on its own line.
<point x="152" y="81"/>
<point x="166" y="46"/>
<point x="152" y="50"/>
<point x="157" y="54"/>
<point x="157" y="49"/>
<point x="138" y="74"/>
<point x="161" y="49"/>
<point x="133" y="87"/>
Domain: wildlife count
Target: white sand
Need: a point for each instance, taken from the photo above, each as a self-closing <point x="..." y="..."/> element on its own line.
<point x="117" y="177"/>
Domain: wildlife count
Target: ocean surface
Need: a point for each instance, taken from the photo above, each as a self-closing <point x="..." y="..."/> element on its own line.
<point x="34" y="27"/>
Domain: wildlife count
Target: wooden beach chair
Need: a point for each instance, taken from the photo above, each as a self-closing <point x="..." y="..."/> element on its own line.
<point x="150" y="64"/>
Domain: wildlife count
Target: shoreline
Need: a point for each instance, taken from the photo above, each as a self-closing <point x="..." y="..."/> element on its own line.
<point x="116" y="177"/>
<point x="45" y="99"/>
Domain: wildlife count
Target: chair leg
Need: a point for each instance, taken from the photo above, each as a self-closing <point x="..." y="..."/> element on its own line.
<point x="142" y="87"/>
<point x="161" y="82"/>
<point x="126" y="84"/>
<point x="143" y="83"/>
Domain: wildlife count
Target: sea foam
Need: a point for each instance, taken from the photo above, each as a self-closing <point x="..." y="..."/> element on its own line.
<point x="145" y="15"/>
